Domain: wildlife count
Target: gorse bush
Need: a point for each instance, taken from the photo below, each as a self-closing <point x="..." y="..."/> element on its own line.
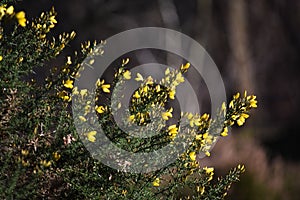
<point x="43" y="155"/>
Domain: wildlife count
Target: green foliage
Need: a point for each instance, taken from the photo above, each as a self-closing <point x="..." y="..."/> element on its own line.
<point x="43" y="156"/>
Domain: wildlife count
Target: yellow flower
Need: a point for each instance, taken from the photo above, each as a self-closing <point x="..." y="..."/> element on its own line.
<point x="69" y="62"/>
<point x="83" y="92"/>
<point x="172" y="94"/>
<point x="231" y="104"/>
<point x="82" y="118"/>
<point x="125" y="62"/>
<point x="224" y="132"/>
<point x="149" y="80"/>
<point x="253" y="103"/>
<point x="68" y="83"/>
<point x="24" y="152"/>
<point x="87" y="109"/>
<point x="192" y="155"/>
<point x="124" y="192"/>
<point x="234" y="117"/>
<point x="64" y="96"/>
<point x="200" y="189"/>
<point x="136" y="95"/>
<point x="236" y="96"/>
<point x="208" y="170"/>
<point x="173" y="130"/>
<point x="100" y="109"/>
<point x="53" y="20"/>
<point x="131" y="118"/>
<point x="25" y="163"/>
<point x="91" y="136"/>
<point x="207" y="153"/>
<point x="156" y="182"/>
<point x="56" y="156"/>
<point x="92" y="61"/>
<point x="198" y="137"/>
<point x="240" y="121"/>
<point x="194" y="121"/>
<point x="10" y="10"/>
<point x="224" y="106"/>
<point x="127" y="75"/>
<point x="45" y="163"/>
<point x="167" y="71"/>
<point x="166" y="115"/>
<point x="179" y="78"/>
<point x="205" y="135"/>
<point x="104" y="87"/>
<point x="189" y="116"/>
<point x="157" y="88"/>
<point x="145" y="89"/>
<point x="245" y="115"/>
<point x="119" y="105"/>
<point x="75" y="91"/>
<point x="72" y="35"/>
<point x="241" y="167"/>
<point x="21" y="18"/>
<point x="186" y="66"/>
<point x="1" y="58"/>
<point x="205" y="117"/>
<point x="2" y="11"/>
<point x="139" y="77"/>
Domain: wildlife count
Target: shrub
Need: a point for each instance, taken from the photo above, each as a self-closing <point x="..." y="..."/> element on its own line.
<point x="44" y="156"/>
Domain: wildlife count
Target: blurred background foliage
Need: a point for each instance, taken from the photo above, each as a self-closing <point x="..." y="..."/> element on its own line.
<point x="255" y="44"/>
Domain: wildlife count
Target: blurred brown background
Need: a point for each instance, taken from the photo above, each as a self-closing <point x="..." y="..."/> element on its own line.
<point x="255" y="44"/>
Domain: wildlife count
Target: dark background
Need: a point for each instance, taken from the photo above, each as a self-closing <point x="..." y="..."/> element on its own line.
<point x="255" y="44"/>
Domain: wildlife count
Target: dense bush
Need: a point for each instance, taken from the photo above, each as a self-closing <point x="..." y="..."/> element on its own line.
<point x="43" y="156"/>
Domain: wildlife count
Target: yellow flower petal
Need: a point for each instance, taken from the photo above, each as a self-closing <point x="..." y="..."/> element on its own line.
<point x="225" y="132"/>
<point x="208" y="170"/>
<point x="192" y="155"/>
<point x="45" y="163"/>
<point x="139" y="77"/>
<point x="186" y="66"/>
<point x="167" y="115"/>
<point x="200" y="189"/>
<point x="82" y="118"/>
<point x="167" y="71"/>
<point x="127" y="75"/>
<point x="105" y="88"/>
<point x="10" y="10"/>
<point x="125" y="62"/>
<point x="136" y="95"/>
<point x="68" y="84"/>
<point x="172" y="94"/>
<point x="69" y="62"/>
<point x="240" y="121"/>
<point x="24" y="152"/>
<point x="53" y="20"/>
<point x="83" y="92"/>
<point x="56" y="156"/>
<point x="91" y="136"/>
<point x="179" y="78"/>
<point x="156" y="182"/>
<point x="100" y="109"/>
<point x="21" y="18"/>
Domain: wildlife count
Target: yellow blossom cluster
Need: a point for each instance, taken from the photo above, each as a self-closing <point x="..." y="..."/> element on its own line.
<point x="239" y="108"/>
<point x="9" y="12"/>
<point x="45" y="23"/>
<point x="44" y="163"/>
<point x="151" y="95"/>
